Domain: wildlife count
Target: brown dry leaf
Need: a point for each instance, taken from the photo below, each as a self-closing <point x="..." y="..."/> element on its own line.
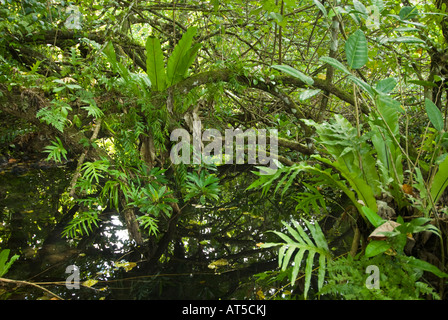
<point x="387" y="226"/>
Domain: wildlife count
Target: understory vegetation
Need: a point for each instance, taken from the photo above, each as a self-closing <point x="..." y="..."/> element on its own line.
<point x="356" y="204"/>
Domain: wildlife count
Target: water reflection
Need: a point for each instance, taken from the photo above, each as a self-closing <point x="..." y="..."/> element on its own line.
<point x="30" y="225"/>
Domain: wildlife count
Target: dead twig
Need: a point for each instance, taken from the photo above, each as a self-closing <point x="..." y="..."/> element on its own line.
<point x="21" y="282"/>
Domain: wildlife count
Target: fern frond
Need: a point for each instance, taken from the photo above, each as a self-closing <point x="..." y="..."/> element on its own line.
<point x="181" y="56"/>
<point x="56" y="151"/>
<point x="297" y="246"/>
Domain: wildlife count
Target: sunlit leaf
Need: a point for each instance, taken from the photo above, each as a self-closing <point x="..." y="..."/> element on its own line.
<point x="127" y="266"/>
<point x="90" y="283"/>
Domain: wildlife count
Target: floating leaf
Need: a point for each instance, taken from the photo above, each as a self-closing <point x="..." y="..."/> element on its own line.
<point x="218" y="263"/>
<point x="89" y="283"/>
<point x="127" y="266"/>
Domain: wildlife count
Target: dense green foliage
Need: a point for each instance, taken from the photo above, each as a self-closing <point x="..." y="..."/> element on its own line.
<point x="356" y="90"/>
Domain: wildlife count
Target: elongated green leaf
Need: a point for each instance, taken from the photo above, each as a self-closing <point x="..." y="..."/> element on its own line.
<point x="376" y="247"/>
<point x="434" y="114"/>
<point x="440" y="181"/>
<point x="423" y="83"/>
<point x="363" y="190"/>
<point x="4" y="263"/>
<point x="307" y="94"/>
<point x="285" y="238"/>
<point x="317" y="234"/>
<point x="303" y="233"/>
<point x="3" y="258"/>
<point x="176" y="64"/>
<point x="321" y="7"/>
<point x="356" y="50"/>
<point x="293" y="232"/>
<point x="335" y="63"/>
<point x="333" y="180"/>
<point x="373" y="217"/>
<point x="363" y="85"/>
<point x="287" y="257"/>
<point x="308" y="272"/>
<point x="154" y="64"/>
<point x="112" y="58"/>
<point x="116" y="66"/>
<point x="406" y="40"/>
<point x="294" y="72"/>
<point x="269" y="245"/>
<point x="405" y="29"/>
<point x="110" y="54"/>
<point x="281" y="255"/>
<point x="187" y="61"/>
<point x="321" y="272"/>
<point x="297" y="263"/>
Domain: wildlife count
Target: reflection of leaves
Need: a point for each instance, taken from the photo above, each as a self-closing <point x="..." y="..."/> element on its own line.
<point x="218" y="263"/>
